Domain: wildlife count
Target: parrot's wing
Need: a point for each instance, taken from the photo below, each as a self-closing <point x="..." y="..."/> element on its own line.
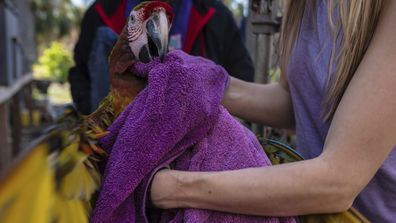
<point x="27" y="191"/>
<point x="53" y="181"/>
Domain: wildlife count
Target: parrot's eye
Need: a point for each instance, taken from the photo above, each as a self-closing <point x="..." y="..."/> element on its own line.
<point x="132" y="18"/>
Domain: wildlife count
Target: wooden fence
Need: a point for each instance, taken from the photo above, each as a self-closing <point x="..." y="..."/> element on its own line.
<point x="17" y="51"/>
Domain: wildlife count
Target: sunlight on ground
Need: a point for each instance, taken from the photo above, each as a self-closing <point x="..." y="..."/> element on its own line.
<point x="59" y="93"/>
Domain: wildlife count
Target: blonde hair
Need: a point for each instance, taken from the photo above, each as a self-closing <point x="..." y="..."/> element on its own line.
<point x="352" y="31"/>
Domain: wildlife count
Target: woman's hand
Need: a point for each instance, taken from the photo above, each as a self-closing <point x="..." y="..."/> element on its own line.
<point x="283" y="190"/>
<point x="164" y="188"/>
<point x="269" y="104"/>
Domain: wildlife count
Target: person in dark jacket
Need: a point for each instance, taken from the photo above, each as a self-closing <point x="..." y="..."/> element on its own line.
<point x="201" y="27"/>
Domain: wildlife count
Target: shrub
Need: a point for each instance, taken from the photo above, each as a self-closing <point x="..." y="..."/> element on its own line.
<point x="53" y="64"/>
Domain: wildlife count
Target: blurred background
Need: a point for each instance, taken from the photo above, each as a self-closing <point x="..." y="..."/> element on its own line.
<point x="37" y="38"/>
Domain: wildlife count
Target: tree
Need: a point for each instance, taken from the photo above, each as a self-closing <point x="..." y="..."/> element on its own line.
<point x="54" y="19"/>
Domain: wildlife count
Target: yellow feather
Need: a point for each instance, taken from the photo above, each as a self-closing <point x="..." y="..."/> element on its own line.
<point x="70" y="211"/>
<point x="26" y="193"/>
<point x="80" y="183"/>
<point x="76" y="179"/>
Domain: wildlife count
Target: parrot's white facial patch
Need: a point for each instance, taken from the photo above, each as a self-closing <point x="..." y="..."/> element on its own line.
<point x="137" y="33"/>
<point x="136" y="29"/>
<point x="135" y="26"/>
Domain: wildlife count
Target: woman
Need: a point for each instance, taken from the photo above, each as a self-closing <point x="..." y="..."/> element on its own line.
<point x="344" y="121"/>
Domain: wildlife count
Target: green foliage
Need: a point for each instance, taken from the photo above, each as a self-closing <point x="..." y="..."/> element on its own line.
<point x="274" y="74"/>
<point x="54" y="19"/>
<point x="53" y="64"/>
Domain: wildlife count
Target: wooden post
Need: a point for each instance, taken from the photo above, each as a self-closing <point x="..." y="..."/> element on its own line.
<point x="16" y="124"/>
<point x="5" y="139"/>
<point x="263" y="26"/>
<point x="29" y="102"/>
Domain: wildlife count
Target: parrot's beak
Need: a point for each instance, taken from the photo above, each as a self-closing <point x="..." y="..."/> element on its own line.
<point x="157" y="34"/>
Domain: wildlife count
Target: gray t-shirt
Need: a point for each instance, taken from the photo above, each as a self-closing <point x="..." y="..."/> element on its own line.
<point x="308" y="68"/>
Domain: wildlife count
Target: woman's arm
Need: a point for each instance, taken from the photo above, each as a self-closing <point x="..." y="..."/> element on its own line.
<point x="361" y="136"/>
<point x="269" y="104"/>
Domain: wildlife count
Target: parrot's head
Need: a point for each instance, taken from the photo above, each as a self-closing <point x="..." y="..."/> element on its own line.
<point x="148" y="28"/>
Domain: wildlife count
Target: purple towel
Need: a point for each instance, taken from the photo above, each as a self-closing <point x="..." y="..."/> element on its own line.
<point x="178" y="120"/>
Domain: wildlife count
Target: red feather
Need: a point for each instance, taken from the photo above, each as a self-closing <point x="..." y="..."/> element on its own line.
<point x="151" y="5"/>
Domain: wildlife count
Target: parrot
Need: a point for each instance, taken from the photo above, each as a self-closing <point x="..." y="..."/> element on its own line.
<point x="56" y="179"/>
<point x="144" y="38"/>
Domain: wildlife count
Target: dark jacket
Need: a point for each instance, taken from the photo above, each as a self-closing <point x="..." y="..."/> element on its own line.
<point x="212" y="33"/>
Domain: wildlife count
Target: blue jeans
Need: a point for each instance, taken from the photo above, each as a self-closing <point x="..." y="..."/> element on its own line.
<point x="98" y="64"/>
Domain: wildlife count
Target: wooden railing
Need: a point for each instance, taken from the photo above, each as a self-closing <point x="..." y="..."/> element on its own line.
<point x="11" y="98"/>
